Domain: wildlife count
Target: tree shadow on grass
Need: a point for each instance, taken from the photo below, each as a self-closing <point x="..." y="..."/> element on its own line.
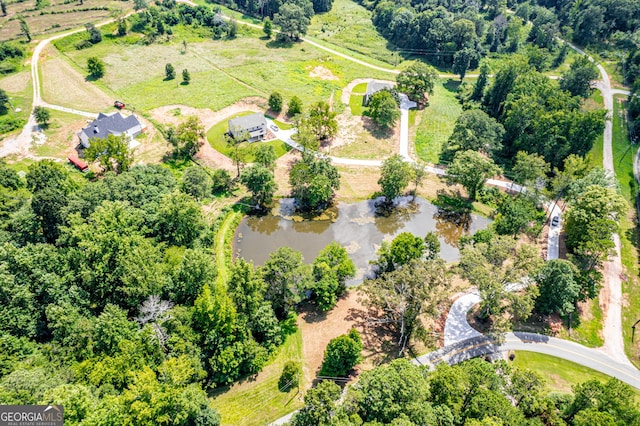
<point x="376" y="131"/>
<point x="452" y="85"/>
<point x="92" y="78"/>
<point x="280" y="44"/>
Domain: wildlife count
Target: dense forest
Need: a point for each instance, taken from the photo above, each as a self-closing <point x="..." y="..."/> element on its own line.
<point x="111" y="301"/>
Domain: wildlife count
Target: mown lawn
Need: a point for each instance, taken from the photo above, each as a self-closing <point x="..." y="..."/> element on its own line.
<point x="595" y="101"/>
<point x="623" y="155"/>
<point x="257" y="401"/>
<point x="588" y="330"/>
<point x="559" y="374"/>
<point x="348" y="25"/>
<point x="216" y="139"/>
<point x="435" y="123"/>
<point x="357" y="98"/>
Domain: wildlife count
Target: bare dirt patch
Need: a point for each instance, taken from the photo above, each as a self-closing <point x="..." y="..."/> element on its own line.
<point x="176" y="114"/>
<point x="318" y="328"/>
<point x="18" y="82"/>
<point x="322" y="73"/>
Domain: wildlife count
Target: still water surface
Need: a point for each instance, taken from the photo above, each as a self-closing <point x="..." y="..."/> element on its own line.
<point x="356" y="226"/>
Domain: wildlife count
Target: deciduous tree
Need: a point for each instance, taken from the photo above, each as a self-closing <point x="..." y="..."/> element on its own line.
<point x="474" y="130"/>
<point x="196" y="182"/>
<point x="275" y="100"/>
<point x="188" y="138"/>
<point x="260" y="182"/>
<point x="383" y="109"/>
<point x="417" y="82"/>
<point x="403" y="295"/>
<point x="292" y="20"/>
<point x="471" y="169"/>
<point x="394" y="177"/>
<point x="342" y="354"/>
<point x="112" y="153"/>
<point x="42" y="116"/>
<point x="286" y="277"/>
<point x="577" y="80"/>
<point x="559" y="289"/>
<point x="95" y="66"/>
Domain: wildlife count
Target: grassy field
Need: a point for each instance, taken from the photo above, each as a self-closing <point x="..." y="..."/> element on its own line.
<point x="257" y="401"/>
<point x="19" y="90"/>
<point x="435" y="123"/>
<point x="588" y="330"/>
<point x="216" y="139"/>
<point x="57" y="15"/>
<point x="222" y="71"/>
<point x="348" y="25"/>
<point x="559" y="374"/>
<point x="623" y="155"/>
<point x="595" y="101"/>
<point x="356" y="99"/>
<point x="66" y="86"/>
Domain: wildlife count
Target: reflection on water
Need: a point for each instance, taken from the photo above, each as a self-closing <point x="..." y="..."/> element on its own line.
<point x="355" y="226"/>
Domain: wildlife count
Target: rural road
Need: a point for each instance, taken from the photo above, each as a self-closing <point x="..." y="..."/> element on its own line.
<point x="612" y="330"/>
<point x="519" y="341"/>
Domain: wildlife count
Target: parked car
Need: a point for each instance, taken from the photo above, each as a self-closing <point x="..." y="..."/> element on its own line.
<point x="119" y="104"/>
<point x="274" y="128"/>
<point x="555" y="221"/>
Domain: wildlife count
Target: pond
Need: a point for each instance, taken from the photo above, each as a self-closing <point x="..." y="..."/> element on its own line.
<point x="356" y="226"/>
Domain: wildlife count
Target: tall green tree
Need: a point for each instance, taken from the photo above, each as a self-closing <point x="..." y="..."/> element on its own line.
<point x="169" y="72"/>
<point x="493" y="266"/>
<point x="286" y="277"/>
<point x="260" y="182"/>
<point x="196" y="182"/>
<point x="394" y="177"/>
<point x="383" y="109"/>
<point x="265" y="156"/>
<point x="96" y="67"/>
<point x="474" y="130"/>
<point x="292" y="20"/>
<point x="294" y="107"/>
<point x="403" y="295"/>
<point x="342" y="354"/>
<point x="417" y="82"/>
<point x="321" y="121"/>
<point x="590" y="223"/>
<point x="313" y="182"/>
<point x="471" y="169"/>
<point x="481" y="82"/>
<point x="321" y="403"/>
<point x="179" y="220"/>
<point x="112" y="153"/>
<point x="187" y="138"/>
<point x="42" y="116"/>
<point x="559" y="288"/>
<point x="275" y="98"/>
<point x="530" y="170"/>
<point x="577" y="79"/>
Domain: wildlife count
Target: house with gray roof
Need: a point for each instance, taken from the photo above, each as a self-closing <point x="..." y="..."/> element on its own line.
<point x="111" y="124"/>
<point x="251" y="127"/>
<point x="374" y="87"/>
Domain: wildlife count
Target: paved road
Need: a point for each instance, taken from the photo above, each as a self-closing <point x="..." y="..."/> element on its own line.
<point x="405" y="105"/>
<point x="479" y="346"/>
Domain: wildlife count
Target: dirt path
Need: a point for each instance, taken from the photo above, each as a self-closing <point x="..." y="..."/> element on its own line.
<point x="318" y="328"/>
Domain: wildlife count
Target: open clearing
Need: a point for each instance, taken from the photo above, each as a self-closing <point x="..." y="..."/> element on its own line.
<point x="348" y="25"/>
<point x="435" y="123"/>
<point x="559" y="374"/>
<point x="222" y="71"/>
<point x="66" y="15"/>
<point x="65" y="86"/>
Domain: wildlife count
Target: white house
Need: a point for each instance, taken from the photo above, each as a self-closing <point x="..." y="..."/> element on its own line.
<point x="249" y="127"/>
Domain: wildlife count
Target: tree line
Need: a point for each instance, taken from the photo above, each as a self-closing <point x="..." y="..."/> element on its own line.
<point x="473" y="393"/>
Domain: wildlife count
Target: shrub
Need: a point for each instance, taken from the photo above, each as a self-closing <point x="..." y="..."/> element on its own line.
<point x="342" y="354"/>
<point x="290" y="377"/>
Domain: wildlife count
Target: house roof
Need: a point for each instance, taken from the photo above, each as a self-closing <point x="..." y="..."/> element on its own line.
<point x="112" y="124"/>
<point x="375" y="86"/>
<point x="247" y="122"/>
